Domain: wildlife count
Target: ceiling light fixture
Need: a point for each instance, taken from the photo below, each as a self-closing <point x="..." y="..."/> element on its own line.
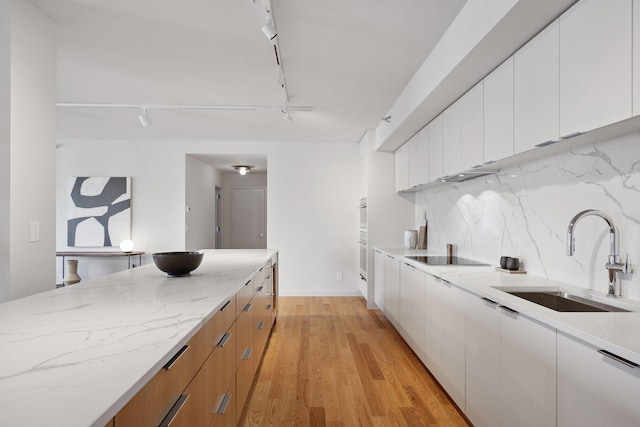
<point x="285" y="112"/>
<point x="243" y="169"/>
<point x="386" y="119"/>
<point x="144" y="118"/>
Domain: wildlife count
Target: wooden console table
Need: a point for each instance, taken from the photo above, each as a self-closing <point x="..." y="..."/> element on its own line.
<point x="103" y="254"/>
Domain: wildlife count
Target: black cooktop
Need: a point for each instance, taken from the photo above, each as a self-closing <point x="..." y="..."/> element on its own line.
<point x="444" y="260"/>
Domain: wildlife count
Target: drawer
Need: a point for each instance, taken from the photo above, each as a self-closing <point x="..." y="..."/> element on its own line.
<point x="152" y="403"/>
<point x="226" y="412"/>
<point x="244" y="380"/>
<point x="227" y="349"/>
<point x="223" y="320"/>
<point x="244" y="295"/>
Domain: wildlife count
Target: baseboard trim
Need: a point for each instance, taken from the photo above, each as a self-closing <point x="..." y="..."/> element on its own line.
<point x="300" y="293"/>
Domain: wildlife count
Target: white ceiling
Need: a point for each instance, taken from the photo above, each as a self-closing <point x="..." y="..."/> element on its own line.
<point x="350" y="57"/>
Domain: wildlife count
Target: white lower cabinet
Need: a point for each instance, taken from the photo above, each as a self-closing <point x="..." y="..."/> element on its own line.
<point x="433" y="327"/>
<point x="483" y="362"/>
<point x="392" y="290"/>
<point x="528" y="371"/>
<point x="454" y="343"/>
<point x="593" y="388"/>
<point x="510" y="367"/>
<point x="378" y="278"/>
<point x="412" y="309"/>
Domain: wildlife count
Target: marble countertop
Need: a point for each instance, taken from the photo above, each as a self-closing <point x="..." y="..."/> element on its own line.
<point x="617" y="332"/>
<point x="75" y="356"/>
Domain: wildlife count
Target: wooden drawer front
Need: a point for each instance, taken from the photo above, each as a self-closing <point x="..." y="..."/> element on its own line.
<point x="244" y="379"/>
<point x="243" y="296"/>
<point x="258" y="280"/>
<point x="227" y="349"/>
<point x="226" y="416"/>
<point x="152" y="403"/>
<point x="228" y="312"/>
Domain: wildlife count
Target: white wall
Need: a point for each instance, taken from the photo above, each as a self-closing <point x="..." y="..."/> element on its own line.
<point x="311" y="208"/>
<point x="27" y="182"/>
<point x="234" y="180"/>
<point x="524" y="211"/>
<point x="201" y="182"/>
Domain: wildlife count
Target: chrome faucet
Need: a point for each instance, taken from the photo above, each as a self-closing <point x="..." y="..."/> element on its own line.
<point x="613" y="264"/>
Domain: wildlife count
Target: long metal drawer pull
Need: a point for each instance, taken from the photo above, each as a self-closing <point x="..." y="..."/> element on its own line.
<point x="488" y="300"/>
<point x="223" y="405"/>
<point x="174" y="411"/>
<point x="571" y="134"/>
<point x="268" y="306"/>
<point x="224" y="339"/>
<point x="507" y="309"/>
<point x="247" y="307"/>
<point x="175" y="357"/>
<point x="225" y="305"/>
<point x="247" y="354"/>
<point x="619" y="359"/>
<point x="260" y="325"/>
<point x="248" y="281"/>
<point x="260" y="288"/>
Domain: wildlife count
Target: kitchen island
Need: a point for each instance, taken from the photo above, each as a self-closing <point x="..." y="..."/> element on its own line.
<point x="75" y="356"/>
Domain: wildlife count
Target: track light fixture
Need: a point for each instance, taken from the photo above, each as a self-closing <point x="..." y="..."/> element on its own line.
<point x="386" y="119"/>
<point x="144" y="118"/>
<point x="285" y="112"/>
<point x="268" y="29"/>
<point x="243" y="169"/>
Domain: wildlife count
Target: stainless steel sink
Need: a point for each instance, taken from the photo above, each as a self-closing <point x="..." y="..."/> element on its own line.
<point x="562" y="301"/>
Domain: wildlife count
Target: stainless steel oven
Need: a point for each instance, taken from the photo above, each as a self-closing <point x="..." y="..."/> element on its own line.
<point x="363" y="213"/>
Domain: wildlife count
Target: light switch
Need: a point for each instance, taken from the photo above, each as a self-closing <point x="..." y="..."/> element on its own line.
<point x="34" y="231"/>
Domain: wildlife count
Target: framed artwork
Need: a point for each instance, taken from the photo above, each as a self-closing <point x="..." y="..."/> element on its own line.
<point x="99" y="211"/>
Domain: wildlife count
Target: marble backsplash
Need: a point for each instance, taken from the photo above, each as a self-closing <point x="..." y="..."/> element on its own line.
<point x="524" y="211"/>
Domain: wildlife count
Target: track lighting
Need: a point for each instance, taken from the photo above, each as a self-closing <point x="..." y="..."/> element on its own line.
<point x="285" y="112"/>
<point x="386" y="119"/>
<point x="268" y="30"/>
<point x="243" y="169"/>
<point x="144" y="118"/>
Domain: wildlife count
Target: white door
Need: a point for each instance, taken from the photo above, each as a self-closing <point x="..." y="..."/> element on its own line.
<point x="248" y="218"/>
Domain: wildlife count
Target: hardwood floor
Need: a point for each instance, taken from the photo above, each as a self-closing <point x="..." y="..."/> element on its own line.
<point x="332" y="362"/>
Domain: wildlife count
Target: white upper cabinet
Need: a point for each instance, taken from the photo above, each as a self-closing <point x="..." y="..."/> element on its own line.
<point x="498" y="113"/>
<point x="595" y="65"/>
<point x="536" y="90"/>
<point x="636" y="57"/>
<point x="472" y="111"/>
<point x="412" y="160"/>
<point x="423" y="156"/>
<point x="435" y="148"/>
<point x="452" y="140"/>
<point x="402" y="169"/>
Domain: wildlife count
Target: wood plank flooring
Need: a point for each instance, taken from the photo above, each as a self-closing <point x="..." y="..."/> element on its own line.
<point x="332" y="362"/>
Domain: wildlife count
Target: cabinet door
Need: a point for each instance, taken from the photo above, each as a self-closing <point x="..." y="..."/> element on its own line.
<point x="412" y="161"/>
<point x="595" y="65"/>
<point x="482" y="362"/>
<point x="454" y="343"/>
<point x="593" y="389"/>
<point x="412" y="310"/>
<point x="379" y="279"/>
<point x="402" y="170"/>
<point x="498" y="112"/>
<point x="536" y="90"/>
<point x="528" y="371"/>
<point x="433" y="327"/>
<point x="423" y="156"/>
<point x="452" y="139"/>
<point x="392" y="290"/>
<point x="435" y="148"/>
<point x="472" y="105"/>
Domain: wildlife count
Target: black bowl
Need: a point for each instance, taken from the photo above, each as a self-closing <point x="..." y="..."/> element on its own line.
<point x="177" y="264"/>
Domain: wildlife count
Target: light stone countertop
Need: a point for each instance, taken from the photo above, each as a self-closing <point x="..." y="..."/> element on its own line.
<point x="75" y="356"/>
<point x="617" y="332"/>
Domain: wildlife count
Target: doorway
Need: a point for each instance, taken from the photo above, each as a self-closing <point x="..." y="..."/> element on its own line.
<point x="248" y="218"/>
<point x="218" y="213"/>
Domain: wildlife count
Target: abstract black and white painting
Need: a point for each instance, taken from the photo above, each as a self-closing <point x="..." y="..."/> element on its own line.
<point x="99" y="211"/>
